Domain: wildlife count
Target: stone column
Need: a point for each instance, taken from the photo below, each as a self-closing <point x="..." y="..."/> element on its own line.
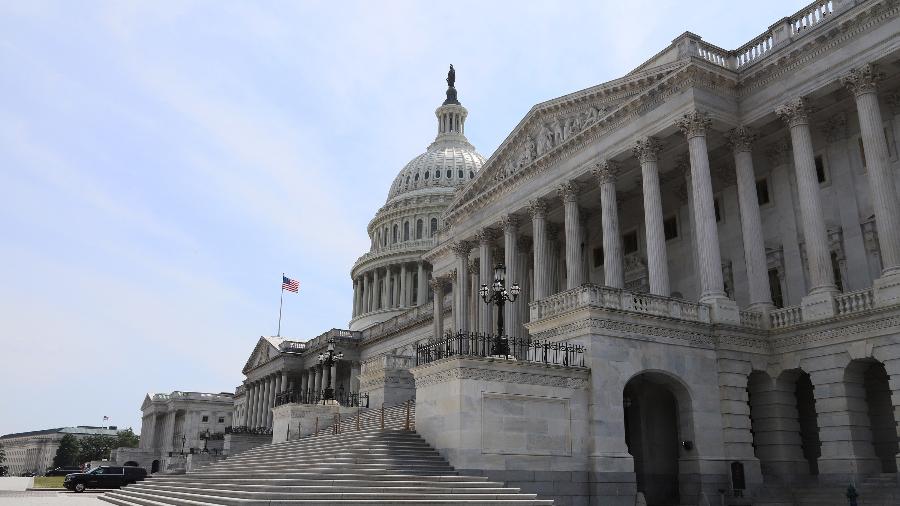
<point x="461" y="286"/>
<point x="278" y="386"/>
<point x="376" y="291"/>
<point x="317" y="379"/>
<point x="741" y="140"/>
<point x="257" y="401"/>
<point x="510" y="224"/>
<point x="248" y="405"/>
<point x="334" y="378"/>
<point x="819" y="303"/>
<point x="862" y="82"/>
<point x="538" y="209"/>
<point x="437" y="286"/>
<point x="366" y="295"/>
<point x="270" y="400"/>
<point x="552" y="258"/>
<point x="694" y="125"/>
<point x="304" y="384"/>
<point x="261" y="404"/>
<point x="520" y="275"/>
<point x="613" y="268"/>
<point x="486" y="272"/>
<point x="474" y="299"/>
<point x="421" y="288"/>
<point x="355" y="297"/>
<point x="354" y="377"/>
<point x="647" y="152"/>
<point x="404" y="286"/>
<point x="568" y="192"/>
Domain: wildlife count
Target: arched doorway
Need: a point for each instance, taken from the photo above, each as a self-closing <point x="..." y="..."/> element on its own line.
<point x="657" y="419"/>
<point x="868" y="380"/>
<point x="154" y="467"/>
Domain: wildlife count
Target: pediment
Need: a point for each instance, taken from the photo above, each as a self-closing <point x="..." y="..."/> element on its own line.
<point x="549" y="127"/>
<point x="147" y="402"/>
<point x="263" y="352"/>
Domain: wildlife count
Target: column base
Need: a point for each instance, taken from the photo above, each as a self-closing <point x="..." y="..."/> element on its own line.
<point x="886" y="289"/>
<point x="818" y="305"/>
<point x="723" y="310"/>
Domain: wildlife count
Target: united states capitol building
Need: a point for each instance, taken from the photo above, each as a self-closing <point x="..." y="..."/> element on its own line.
<point x="706" y="252"/>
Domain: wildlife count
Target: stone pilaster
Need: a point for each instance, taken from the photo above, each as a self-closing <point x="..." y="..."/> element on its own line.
<point x="552" y="258"/>
<point x="647" y="152"/>
<point x="776" y="426"/>
<point x="461" y="286"/>
<point x="613" y="269"/>
<point x="510" y="225"/>
<point x="741" y="140"/>
<point x="819" y="303"/>
<point x="475" y="302"/>
<point x="437" y="286"/>
<point x="376" y="292"/>
<point x="404" y="286"/>
<point x="421" y="287"/>
<point x="538" y="210"/>
<point x="568" y="192"/>
<point x="250" y="405"/>
<point x="862" y="83"/>
<point x="485" y="238"/>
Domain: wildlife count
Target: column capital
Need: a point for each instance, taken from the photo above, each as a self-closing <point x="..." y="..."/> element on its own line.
<point x="606" y="171"/>
<point x="741" y="139"/>
<point x="694" y="124"/>
<point x="461" y="248"/>
<point x="646" y="149"/>
<point x="568" y="191"/>
<point x="863" y="80"/>
<point x="485" y="235"/>
<point x="537" y="208"/>
<point x="794" y="113"/>
<point x="510" y="222"/>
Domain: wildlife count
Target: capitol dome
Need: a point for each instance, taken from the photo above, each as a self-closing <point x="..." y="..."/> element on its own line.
<point x="392" y="278"/>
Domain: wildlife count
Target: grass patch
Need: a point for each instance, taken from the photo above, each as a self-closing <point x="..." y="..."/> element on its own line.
<point x="48" y="481"/>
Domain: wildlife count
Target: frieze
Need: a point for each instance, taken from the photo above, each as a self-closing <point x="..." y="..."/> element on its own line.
<point x="805" y="337"/>
<point x="695" y="339"/>
<point x="500" y="376"/>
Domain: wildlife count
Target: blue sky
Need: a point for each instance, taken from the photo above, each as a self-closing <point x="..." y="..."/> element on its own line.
<point x="161" y="163"/>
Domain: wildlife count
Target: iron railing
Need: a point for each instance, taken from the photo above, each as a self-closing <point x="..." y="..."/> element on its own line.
<point x="344" y="399"/>
<point x="475" y="344"/>
<point x="243" y="429"/>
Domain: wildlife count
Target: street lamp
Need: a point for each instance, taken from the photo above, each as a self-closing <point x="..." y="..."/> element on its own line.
<point x="498" y="294"/>
<point x="329" y="359"/>
<point x="206" y="442"/>
<point x="183" y="440"/>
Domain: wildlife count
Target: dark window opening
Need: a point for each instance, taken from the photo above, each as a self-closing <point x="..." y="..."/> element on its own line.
<point x="598" y="257"/>
<point x="419" y="227"/>
<point x="629" y="243"/>
<point x="836" y="269"/>
<point x="449" y="173"/>
<point x="406" y="231"/>
<point x="820" y="167"/>
<point x="716" y="209"/>
<point x="426" y="174"/>
<point x="205" y="419"/>
<point x="670" y="228"/>
<point x="433" y="226"/>
<point x="775" y="288"/>
<point x="221" y="419"/>
<point x="437" y="174"/>
<point x="460" y="174"/>
<point x="471" y="174"/>
<point x="416" y="178"/>
<point x="762" y="191"/>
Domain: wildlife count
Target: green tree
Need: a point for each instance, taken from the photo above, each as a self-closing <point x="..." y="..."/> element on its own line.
<point x="67" y="453"/>
<point x="127" y="439"/>
<point x="95" y="447"/>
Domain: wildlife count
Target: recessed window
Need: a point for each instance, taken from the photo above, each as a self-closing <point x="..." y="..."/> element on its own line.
<point x="221" y="419"/>
<point x="426" y="174"/>
<point x="460" y="174"/>
<point x="437" y="174"/>
<point x="205" y="419"/>
<point x="471" y="174"/>
<point x="716" y="209"/>
<point x="406" y="231"/>
<point x="419" y="226"/>
<point x="629" y="242"/>
<point x="449" y="173"/>
<point x="775" y="288"/>
<point x="433" y="226"/>
<point x="836" y="271"/>
<point x="598" y="257"/>
<point x="762" y="191"/>
<point x="820" y="167"/>
<point x="670" y="227"/>
<point x="417" y="177"/>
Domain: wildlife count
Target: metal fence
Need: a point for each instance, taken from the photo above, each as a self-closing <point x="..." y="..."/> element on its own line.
<point x="475" y="344"/>
<point x="242" y="429"/>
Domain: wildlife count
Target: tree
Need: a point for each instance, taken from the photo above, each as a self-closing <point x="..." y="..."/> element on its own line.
<point x="3" y="469"/>
<point x="127" y="439"/>
<point x="95" y="447"/>
<point x="67" y="453"/>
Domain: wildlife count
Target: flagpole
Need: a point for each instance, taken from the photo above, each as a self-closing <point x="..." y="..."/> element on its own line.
<point x="280" y="304"/>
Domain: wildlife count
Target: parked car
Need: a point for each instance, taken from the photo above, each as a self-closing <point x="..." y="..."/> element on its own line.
<point x="62" y="471"/>
<point x="104" y="477"/>
<point x="28" y="474"/>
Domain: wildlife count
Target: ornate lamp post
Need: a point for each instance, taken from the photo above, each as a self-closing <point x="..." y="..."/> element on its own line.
<point x="183" y="440"/>
<point x="206" y="442"/>
<point x="329" y="359"/>
<point x="498" y="294"/>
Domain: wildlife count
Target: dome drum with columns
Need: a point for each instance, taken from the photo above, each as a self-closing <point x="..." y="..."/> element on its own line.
<point x="392" y="277"/>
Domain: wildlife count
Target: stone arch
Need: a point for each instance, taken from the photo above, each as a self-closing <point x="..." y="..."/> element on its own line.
<point x="868" y="391"/>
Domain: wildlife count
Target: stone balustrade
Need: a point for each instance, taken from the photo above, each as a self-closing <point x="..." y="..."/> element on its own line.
<point x="811" y="15"/>
<point x="322" y="339"/>
<point x="614" y="298"/>
<point x="785" y="317"/>
<point x="419" y="244"/>
<point x="192" y="395"/>
<point x="854" y="302"/>
<point x="751" y="319"/>
<point x="414" y="316"/>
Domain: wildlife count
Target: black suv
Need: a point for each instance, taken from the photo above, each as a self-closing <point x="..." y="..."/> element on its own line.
<point x="104" y="477"/>
<point x="62" y="471"/>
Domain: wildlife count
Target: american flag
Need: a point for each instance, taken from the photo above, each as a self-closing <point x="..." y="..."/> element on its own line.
<point x="105" y="418"/>
<point x="291" y="285"/>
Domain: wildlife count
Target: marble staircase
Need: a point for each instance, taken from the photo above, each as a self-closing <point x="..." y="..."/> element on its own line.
<point x="340" y="465"/>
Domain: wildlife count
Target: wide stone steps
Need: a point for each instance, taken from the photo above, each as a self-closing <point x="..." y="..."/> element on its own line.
<point x="342" y="465"/>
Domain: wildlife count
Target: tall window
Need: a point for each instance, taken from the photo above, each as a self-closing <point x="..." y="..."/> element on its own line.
<point x="433" y="226"/>
<point x="775" y="288"/>
<point x="629" y="242"/>
<point x="419" y="227"/>
<point x="405" y="231"/>
<point x="384" y="237"/>
<point x="762" y="191"/>
<point x="396" y="231"/>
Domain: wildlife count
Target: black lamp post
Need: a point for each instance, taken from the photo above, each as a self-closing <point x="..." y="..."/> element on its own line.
<point x="498" y="294"/>
<point x="206" y="442"/>
<point x="183" y="440"/>
<point x="328" y="359"/>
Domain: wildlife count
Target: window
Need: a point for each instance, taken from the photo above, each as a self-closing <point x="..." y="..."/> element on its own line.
<point x="629" y="242"/>
<point x="820" y="168"/>
<point x="419" y="226"/>
<point x="204" y="419"/>
<point x="670" y="227"/>
<point x="716" y="209"/>
<point x="449" y="173"/>
<point x="836" y="270"/>
<point x="762" y="191"/>
<point x="437" y="174"/>
<point x="221" y="419"/>
<point x="427" y="173"/>
<point x="460" y="174"/>
<point x="471" y="174"/>
<point x="416" y="179"/>
<point x="775" y="288"/>
<point x="598" y="257"/>
<point x="395" y="235"/>
<point x="405" y="230"/>
<point x="384" y="237"/>
<point x="433" y="226"/>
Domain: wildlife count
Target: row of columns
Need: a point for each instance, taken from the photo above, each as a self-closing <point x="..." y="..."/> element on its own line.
<point x="260" y="399"/>
<point x="373" y="290"/>
<point x="694" y="125"/>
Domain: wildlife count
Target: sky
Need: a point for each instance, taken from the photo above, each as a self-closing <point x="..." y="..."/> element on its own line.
<point x="162" y="163"/>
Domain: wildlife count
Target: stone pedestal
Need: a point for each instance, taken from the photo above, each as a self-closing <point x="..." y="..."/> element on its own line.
<point x="237" y="443"/>
<point x="818" y="305"/>
<point x="387" y="380"/>
<point x="198" y="460"/>
<point x="724" y="310"/>
<point x="293" y="421"/>
<point x="887" y="290"/>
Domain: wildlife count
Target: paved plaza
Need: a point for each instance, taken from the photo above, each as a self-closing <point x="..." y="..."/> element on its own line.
<point x="49" y="498"/>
